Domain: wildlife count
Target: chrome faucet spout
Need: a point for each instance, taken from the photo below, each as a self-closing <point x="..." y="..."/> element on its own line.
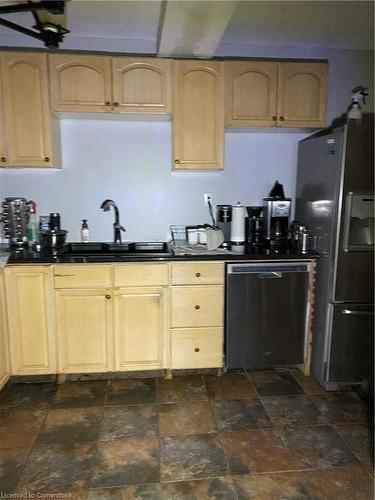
<point x="117" y="227"/>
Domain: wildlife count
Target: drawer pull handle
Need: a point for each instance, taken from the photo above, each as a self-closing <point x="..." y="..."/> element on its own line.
<point x="46" y="159"/>
<point x="3" y="159"/>
<point x="196" y="349"/>
<point x="197" y="307"/>
<point x="108" y="296"/>
<point x="281" y="118"/>
<point x="197" y="275"/>
<point x="107" y="103"/>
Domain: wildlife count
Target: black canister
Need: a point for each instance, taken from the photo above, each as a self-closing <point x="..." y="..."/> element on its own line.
<point x="54" y="221"/>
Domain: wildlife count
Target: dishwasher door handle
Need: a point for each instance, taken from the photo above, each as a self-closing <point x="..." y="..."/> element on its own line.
<point x="269" y="275"/>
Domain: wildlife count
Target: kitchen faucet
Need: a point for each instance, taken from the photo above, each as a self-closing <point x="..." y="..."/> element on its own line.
<point x="117" y="228"/>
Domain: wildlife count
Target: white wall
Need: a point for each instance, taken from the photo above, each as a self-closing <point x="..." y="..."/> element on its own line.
<point x="130" y="161"/>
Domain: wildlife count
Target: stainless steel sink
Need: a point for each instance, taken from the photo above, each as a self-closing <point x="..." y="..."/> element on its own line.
<point x="112" y="252"/>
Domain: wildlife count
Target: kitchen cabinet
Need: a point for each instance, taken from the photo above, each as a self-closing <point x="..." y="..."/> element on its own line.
<point x="3" y="150"/>
<point x="140" y="328"/>
<point x="198" y="115"/>
<point x="30" y="312"/>
<point x="28" y="125"/>
<point x="271" y="93"/>
<point x="80" y="82"/>
<point x="302" y="94"/>
<point x="141" y="85"/>
<point x="111" y="318"/>
<point x="95" y="83"/>
<point x="4" y="355"/>
<point x="250" y="93"/>
<point x="84" y="330"/>
<point x="197" y="315"/>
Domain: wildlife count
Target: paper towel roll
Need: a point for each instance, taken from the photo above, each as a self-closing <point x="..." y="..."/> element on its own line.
<point x="237" y="229"/>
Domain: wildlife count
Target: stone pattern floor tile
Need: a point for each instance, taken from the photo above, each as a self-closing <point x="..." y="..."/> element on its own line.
<point x="182" y="419"/>
<point x="255" y="434"/>
<point x="181" y="389"/>
<point x="230" y="386"/>
<point x="120" y="422"/>
<point x="275" y="383"/>
<point x="240" y="414"/>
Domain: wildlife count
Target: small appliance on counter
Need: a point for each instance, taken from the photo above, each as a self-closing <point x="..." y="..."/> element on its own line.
<point x="254" y="226"/>
<point x="224" y="221"/>
<point x="54" y="238"/>
<point x="276" y="212"/>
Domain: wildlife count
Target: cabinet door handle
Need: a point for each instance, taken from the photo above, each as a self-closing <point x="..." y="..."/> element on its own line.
<point x="115" y="104"/>
<point x="197" y="307"/>
<point x="281" y="118"/>
<point x="196" y="349"/>
<point x="107" y="103"/>
<point x="177" y="162"/>
<point x="198" y="275"/>
<point x="108" y="297"/>
<point x="3" y="159"/>
<point x="47" y="159"/>
<point x="274" y="118"/>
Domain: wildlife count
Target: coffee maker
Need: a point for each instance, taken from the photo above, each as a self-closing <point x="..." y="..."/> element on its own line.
<point x="276" y="213"/>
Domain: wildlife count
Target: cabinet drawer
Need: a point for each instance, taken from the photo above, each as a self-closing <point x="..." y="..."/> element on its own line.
<point x="87" y="276"/>
<point x="198" y="273"/>
<point x="197" y="306"/>
<point x="197" y="348"/>
<point x="141" y="275"/>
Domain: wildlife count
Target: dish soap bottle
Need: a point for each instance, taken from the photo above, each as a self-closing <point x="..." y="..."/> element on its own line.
<point x="32" y="229"/>
<point x="85" y="232"/>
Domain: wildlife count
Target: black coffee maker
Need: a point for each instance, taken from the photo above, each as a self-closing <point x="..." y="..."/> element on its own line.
<point x="254" y="226"/>
<point x="276" y="213"/>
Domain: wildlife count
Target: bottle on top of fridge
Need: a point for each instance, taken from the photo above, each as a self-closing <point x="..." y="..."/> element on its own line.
<point x="32" y="229"/>
<point x="85" y="232"/>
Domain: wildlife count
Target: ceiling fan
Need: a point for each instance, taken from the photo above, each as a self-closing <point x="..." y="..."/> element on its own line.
<point x="49" y="17"/>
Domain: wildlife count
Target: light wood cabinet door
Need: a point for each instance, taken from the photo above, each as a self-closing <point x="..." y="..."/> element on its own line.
<point x="250" y="93"/>
<point x="26" y="109"/>
<point x="196" y="348"/>
<point x="4" y="353"/>
<point x="140" y="328"/>
<point x="302" y="94"/>
<point x="80" y="83"/>
<point x="3" y="149"/>
<point x="30" y="318"/>
<point x="85" y="330"/>
<point x="198" y="115"/>
<point x="197" y="306"/>
<point x="141" y="85"/>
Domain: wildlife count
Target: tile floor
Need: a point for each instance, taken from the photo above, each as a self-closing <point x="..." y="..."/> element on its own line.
<point x="260" y="435"/>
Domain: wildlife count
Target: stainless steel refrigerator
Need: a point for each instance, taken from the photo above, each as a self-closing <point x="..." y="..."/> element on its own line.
<point x="334" y="198"/>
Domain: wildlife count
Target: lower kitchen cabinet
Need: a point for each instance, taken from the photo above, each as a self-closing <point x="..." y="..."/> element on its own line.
<point x="30" y="319"/>
<point x="4" y="359"/>
<point x="84" y="330"/>
<point x="140" y="328"/>
<point x="196" y="348"/>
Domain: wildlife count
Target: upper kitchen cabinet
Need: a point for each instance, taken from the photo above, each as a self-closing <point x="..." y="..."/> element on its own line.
<point x="250" y="93"/>
<point x="3" y="150"/>
<point x="141" y="85"/>
<point x="198" y="115"/>
<point x="26" y="110"/>
<point x="275" y="94"/>
<point x="80" y="83"/>
<point x="302" y="94"/>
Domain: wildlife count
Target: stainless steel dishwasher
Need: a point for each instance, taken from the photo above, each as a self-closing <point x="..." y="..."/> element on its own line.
<point x="266" y="314"/>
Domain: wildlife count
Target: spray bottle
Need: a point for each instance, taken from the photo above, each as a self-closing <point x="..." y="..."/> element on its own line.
<point x="354" y="110"/>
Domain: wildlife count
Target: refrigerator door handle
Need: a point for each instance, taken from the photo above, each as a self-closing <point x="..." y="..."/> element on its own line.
<point x="357" y="312"/>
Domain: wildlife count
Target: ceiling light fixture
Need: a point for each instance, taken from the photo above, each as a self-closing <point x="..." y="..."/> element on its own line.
<point x="46" y="14"/>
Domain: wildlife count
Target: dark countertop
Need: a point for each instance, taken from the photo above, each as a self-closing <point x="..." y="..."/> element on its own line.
<point x="243" y="252"/>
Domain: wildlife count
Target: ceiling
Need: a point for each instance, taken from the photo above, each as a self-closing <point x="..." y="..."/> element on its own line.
<point x="199" y="28"/>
